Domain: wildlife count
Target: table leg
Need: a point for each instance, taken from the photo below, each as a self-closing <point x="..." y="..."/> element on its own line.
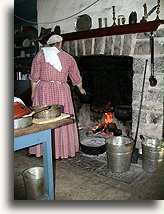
<point x="48" y="165"/>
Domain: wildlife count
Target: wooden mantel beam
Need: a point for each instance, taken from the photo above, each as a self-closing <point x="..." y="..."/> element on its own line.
<point x="114" y="30"/>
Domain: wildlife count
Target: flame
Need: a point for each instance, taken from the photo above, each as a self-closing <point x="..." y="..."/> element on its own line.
<point x="111" y="134"/>
<point x="109" y="117"/>
<point x="96" y="127"/>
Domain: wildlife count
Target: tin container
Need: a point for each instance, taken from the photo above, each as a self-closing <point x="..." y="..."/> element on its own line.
<point x="34" y="182"/>
<point x="119" y="153"/>
<point x="52" y="111"/>
<point x="152" y="154"/>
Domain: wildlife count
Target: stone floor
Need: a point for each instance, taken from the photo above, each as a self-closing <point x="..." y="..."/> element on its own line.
<point x="86" y="177"/>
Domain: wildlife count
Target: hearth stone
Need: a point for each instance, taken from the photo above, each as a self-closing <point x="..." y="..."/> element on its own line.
<point x="97" y="165"/>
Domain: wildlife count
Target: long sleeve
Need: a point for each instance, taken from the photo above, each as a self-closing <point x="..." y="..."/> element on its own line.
<point x="36" y="67"/>
<point x="74" y="73"/>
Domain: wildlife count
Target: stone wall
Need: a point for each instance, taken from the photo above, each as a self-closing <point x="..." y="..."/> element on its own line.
<point x="138" y="46"/>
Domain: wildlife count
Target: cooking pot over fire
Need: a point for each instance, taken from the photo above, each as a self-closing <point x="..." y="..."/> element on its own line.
<point x="123" y="112"/>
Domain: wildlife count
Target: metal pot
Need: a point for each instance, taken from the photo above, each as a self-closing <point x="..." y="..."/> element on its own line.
<point x="119" y="153"/>
<point x="85" y="98"/>
<point x="22" y="122"/>
<point x="51" y="111"/>
<point x="152" y="154"/>
<point x="123" y="112"/>
<point x="93" y="146"/>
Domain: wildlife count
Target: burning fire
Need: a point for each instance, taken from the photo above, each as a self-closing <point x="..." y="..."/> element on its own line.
<point x="109" y="117"/>
<point x="104" y="127"/>
<point x="107" y="128"/>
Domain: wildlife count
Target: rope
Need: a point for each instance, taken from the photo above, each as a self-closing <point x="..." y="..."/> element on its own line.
<point x="59" y="19"/>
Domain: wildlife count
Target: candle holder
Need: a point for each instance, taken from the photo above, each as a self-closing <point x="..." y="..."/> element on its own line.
<point x="114" y="16"/>
<point x="100" y="22"/>
<point x="158" y="11"/>
<point x="145" y="13"/>
<point x="121" y="20"/>
<point x="105" y="22"/>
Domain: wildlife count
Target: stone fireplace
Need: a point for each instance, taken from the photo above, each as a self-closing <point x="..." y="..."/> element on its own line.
<point x="136" y="48"/>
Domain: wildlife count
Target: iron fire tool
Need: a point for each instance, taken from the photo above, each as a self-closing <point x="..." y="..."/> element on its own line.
<point x="152" y="79"/>
<point x="135" y="153"/>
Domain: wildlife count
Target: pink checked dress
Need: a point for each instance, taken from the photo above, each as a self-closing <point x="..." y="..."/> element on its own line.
<point x="52" y="88"/>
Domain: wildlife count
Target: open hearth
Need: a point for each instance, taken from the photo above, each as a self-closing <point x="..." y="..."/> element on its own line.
<point x="108" y="80"/>
<point x="137" y="47"/>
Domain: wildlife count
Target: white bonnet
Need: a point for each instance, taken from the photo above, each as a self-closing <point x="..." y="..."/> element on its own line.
<point x="54" y="39"/>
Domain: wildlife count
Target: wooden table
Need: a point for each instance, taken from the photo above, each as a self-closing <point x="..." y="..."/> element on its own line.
<point x="41" y="134"/>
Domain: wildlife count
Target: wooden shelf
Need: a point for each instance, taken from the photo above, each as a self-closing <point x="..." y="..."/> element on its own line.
<point x="114" y="30"/>
<point x="24" y="48"/>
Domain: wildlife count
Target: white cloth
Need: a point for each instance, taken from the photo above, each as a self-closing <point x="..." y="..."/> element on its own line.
<point x="16" y="99"/>
<point x="51" y="57"/>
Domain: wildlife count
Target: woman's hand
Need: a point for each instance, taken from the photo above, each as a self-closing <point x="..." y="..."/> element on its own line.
<point x="81" y="89"/>
<point x="32" y="96"/>
<point x="33" y="86"/>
